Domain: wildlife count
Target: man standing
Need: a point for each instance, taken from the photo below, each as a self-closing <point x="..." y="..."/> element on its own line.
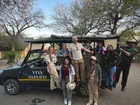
<point x="126" y="59"/>
<point x="77" y="58"/>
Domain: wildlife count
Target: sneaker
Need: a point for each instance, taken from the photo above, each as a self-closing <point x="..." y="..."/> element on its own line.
<point x="106" y="87"/>
<point x="88" y="103"/>
<point x="69" y="102"/>
<point x="114" y="85"/>
<point x="123" y="88"/>
<point x="53" y="88"/>
<point x="95" y="103"/>
<point x="110" y="88"/>
<point x="65" y="101"/>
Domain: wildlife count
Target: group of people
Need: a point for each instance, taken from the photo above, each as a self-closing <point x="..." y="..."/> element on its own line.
<point x="68" y="70"/>
<point x="122" y="59"/>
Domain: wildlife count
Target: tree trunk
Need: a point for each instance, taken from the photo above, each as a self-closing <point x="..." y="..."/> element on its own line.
<point x="13" y="44"/>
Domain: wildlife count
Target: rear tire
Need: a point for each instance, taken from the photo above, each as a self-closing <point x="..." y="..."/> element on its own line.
<point x="83" y="90"/>
<point x="12" y="87"/>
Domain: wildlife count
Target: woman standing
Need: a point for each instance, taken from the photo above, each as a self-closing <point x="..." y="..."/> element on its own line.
<point x="51" y="60"/>
<point x="110" y="62"/>
<point x="94" y="80"/>
<point x="67" y="74"/>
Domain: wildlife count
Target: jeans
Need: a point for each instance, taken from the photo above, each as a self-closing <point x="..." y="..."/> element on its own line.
<point x="109" y="76"/>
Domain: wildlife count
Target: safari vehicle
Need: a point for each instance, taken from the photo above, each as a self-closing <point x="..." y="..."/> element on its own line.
<point x="32" y="72"/>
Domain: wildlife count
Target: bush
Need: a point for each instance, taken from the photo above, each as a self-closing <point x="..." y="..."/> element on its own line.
<point x="10" y="56"/>
<point x="138" y="54"/>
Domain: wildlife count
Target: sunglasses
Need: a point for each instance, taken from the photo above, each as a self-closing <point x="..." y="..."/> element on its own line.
<point x="76" y="48"/>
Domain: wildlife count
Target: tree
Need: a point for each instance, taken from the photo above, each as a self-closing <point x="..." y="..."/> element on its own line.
<point x="129" y="35"/>
<point x="89" y="16"/>
<point x="16" y="18"/>
<point x="78" y="18"/>
<point x="117" y="14"/>
<point x="5" y="42"/>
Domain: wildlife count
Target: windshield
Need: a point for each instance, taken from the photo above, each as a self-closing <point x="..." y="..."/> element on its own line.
<point x="36" y="46"/>
<point x="33" y="56"/>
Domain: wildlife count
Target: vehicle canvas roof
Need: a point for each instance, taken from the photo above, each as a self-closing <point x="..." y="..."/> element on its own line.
<point x="68" y="39"/>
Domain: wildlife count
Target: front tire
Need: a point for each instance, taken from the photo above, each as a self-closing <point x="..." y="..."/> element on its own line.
<point x="12" y="87"/>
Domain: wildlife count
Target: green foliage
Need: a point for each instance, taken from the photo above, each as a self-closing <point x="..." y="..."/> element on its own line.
<point x="138" y="54"/>
<point x="128" y="35"/>
<point x="19" y="44"/>
<point x="19" y="16"/>
<point x="138" y="48"/>
<point x="5" y="42"/>
<point x="10" y="56"/>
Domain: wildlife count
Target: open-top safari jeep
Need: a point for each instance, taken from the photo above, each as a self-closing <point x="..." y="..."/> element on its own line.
<point x="33" y="70"/>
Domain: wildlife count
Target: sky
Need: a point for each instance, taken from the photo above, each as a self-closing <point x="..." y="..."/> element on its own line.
<point x="47" y="7"/>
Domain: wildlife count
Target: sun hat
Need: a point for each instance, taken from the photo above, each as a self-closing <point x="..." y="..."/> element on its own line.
<point x="93" y="57"/>
<point x="131" y="41"/>
<point x="71" y="85"/>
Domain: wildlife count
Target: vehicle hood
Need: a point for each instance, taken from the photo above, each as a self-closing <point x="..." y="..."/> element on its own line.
<point x="11" y="67"/>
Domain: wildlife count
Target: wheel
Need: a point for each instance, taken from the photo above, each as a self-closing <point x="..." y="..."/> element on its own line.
<point x="12" y="87"/>
<point x="83" y="90"/>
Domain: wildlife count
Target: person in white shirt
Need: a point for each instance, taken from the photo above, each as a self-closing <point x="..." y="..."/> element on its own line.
<point x="51" y="60"/>
<point x="77" y="58"/>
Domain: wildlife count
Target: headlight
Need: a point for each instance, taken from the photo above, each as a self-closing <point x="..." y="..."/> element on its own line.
<point x="1" y="71"/>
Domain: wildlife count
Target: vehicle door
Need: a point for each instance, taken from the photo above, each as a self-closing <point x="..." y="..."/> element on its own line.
<point x="35" y="73"/>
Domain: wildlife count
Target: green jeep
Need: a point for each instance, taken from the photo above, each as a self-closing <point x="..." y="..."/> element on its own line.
<point x="32" y="72"/>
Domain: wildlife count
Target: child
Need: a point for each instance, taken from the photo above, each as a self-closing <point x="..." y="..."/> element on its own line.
<point x="94" y="80"/>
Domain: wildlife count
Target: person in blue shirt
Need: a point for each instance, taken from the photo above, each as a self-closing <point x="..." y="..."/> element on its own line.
<point x="64" y="51"/>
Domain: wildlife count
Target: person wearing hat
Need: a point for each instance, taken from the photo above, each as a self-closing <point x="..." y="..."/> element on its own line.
<point x="94" y="80"/>
<point x="127" y="54"/>
<point x="67" y="74"/>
